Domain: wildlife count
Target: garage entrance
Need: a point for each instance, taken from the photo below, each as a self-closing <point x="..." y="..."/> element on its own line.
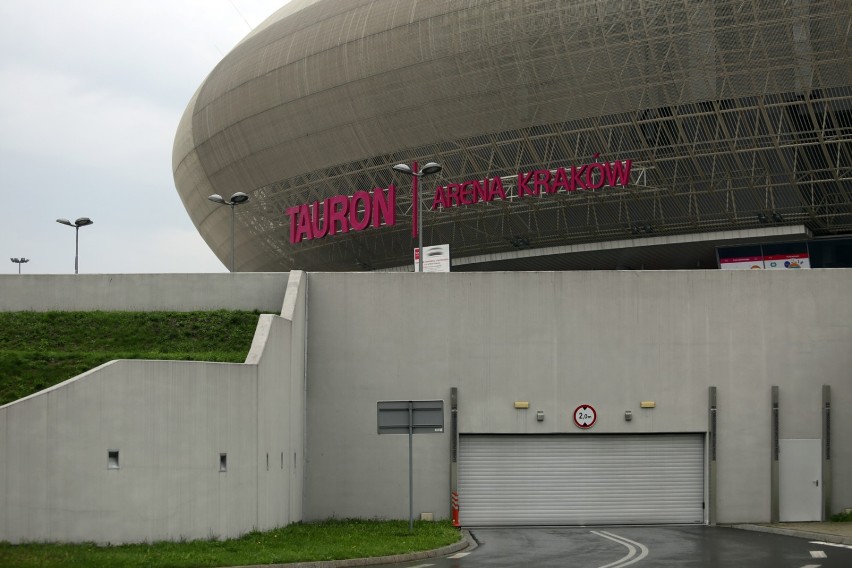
<point x="581" y="479"/>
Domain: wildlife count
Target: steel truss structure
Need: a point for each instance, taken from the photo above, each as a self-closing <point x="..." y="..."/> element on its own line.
<point x="735" y="115"/>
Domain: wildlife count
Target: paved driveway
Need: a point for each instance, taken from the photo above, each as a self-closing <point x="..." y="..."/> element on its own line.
<point x="640" y="547"/>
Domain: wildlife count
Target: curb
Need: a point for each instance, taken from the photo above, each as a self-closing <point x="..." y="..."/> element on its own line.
<point x="820" y="536"/>
<point x="466" y="542"/>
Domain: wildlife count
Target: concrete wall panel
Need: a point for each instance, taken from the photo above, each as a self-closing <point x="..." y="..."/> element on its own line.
<point x="169" y="421"/>
<point x="558" y="340"/>
<point x="343" y="342"/>
<point x="143" y="292"/>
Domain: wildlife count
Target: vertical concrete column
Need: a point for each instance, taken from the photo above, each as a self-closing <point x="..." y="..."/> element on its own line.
<point x="775" y="440"/>
<point x="826" y="452"/>
<point x="454" y="455"/>
<point x="711" y="481"/>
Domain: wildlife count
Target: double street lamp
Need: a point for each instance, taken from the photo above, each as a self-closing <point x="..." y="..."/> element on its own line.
<point x="428" y="169"/>
<point x="19" y="262"/>
<point x="81" y="222"/>
<point x="236" y="199"/>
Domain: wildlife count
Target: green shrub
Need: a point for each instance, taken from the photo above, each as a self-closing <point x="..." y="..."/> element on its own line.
<point x="845" y="517"/>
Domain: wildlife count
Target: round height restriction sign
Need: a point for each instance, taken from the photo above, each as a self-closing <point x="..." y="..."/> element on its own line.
<point x="585" y="416"/>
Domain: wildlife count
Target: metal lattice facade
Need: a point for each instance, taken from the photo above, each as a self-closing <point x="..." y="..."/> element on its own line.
<point x="735" y="113"/>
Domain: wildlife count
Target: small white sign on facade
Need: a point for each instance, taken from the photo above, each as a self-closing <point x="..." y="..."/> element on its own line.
<point x="435" y="259"/>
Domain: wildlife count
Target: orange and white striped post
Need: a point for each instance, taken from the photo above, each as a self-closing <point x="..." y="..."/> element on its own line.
<point x="454" y="455"/>
<point x="454" y="504"/>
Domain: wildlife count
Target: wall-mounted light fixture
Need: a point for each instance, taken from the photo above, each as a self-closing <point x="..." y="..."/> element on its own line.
<point x="628" y="415"/>
<point x="539" y="415"/>
<point x="647" y="404"/>
<point x="522" y="404"/>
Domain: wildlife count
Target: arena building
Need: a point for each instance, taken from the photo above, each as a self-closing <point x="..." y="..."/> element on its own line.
<point x="623" y="134"/>
<point x="574" y="137"/>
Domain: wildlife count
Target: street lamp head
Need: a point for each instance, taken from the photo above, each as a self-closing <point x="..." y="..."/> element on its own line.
<point x="236" y="199"/>
<point x="239" y="198"/>
<point x="81" y="222"/>
<point x="430" y="168"/>
<point x="19" y="262"/>
<point x="402" y="168"/>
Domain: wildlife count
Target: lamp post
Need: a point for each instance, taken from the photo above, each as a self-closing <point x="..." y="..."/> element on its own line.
<point x="81" y="222"/>
<point x="236" y="199"/>
<point x="428" y="169"/>
<point x="19" y="262"/>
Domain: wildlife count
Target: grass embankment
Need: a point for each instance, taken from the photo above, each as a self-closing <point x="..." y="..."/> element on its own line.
<point x="331" y="540"/>
<point x="41" y="349"/>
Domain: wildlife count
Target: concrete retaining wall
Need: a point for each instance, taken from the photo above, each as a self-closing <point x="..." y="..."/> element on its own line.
<point x="557" y="340"/>
<point x="169" y="421"/>
<point x="298" y="419"/>
<point x="142" y="292"/>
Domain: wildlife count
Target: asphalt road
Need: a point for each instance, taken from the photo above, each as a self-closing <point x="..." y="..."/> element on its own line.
<point x="640" y="547"/>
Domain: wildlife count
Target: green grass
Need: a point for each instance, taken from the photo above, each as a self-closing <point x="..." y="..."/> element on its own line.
<point x="41" y="349"/>
<point x="330" y="540"/>
<point x="842" y="517"/>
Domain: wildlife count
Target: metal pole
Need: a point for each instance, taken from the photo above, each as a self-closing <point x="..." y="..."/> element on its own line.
<point x="410" y="466"/>
<point x="232" y="238"/>
<point x="419" y="231"/>
<point x="418" y="216"/>
<point x="414" y="221"/>
<point x="76" y="248"/>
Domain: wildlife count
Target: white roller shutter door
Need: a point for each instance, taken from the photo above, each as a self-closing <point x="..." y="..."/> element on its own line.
<point x="581" y="479"/>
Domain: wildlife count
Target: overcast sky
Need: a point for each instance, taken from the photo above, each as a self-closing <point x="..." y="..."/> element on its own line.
<point x="92" y="92"/>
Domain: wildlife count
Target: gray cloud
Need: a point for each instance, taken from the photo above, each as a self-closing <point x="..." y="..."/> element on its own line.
<point x="92" y="94"/>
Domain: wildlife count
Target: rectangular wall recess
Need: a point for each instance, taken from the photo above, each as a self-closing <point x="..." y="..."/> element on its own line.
<point x="223" y="462"/>
<point x="112" y="459"/>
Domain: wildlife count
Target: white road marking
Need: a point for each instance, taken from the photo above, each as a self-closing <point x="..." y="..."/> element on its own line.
<point x="421" y="566"/>
<point x="631" y="545"/>
<point x="459" y="555"/>
<point x="818" y="554"/>
<point x="849" y="546"/>
<point x="811" y="565"/>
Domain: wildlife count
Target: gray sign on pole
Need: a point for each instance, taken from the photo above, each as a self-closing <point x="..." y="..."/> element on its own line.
<point x="410" y="417"/>
<point x="427" y="416"/>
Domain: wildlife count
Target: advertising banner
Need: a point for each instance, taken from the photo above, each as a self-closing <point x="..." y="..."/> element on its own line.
<point x="786" y="261"/>
<point x="742" y="263"/>
<point x="770" y="256"/>
<point x="435" y="259"/>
